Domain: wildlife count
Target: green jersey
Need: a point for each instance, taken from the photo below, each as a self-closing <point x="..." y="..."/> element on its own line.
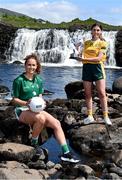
<point x="25" y="89"/>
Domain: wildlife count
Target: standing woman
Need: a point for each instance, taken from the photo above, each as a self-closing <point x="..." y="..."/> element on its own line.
<point x="26" y="86"/>
<point x="93" y="57"/>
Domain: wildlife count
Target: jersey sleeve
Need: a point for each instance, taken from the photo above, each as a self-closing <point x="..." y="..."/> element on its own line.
<point x="40" y="83"/>
<point x="16" y="88"/>
<point x="103" y="47"/>
<point x="104" y="50"/>
<point x="41" y="89"/>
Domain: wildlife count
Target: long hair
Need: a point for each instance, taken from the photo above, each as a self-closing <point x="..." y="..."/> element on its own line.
<point x="34" y="56"/>
<point x="100" y="26"/>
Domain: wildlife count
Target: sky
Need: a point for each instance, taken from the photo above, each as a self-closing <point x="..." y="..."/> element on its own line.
<point x="55" y="11"/>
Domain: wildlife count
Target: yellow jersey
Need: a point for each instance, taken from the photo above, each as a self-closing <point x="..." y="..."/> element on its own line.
<point x="92" y="49"/>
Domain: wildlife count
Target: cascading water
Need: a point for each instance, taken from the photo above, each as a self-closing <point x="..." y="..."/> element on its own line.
<point x="55" y="47"/>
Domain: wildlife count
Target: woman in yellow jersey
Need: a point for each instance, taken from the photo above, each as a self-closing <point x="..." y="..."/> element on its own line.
<point x="93" y="57"/>
<point x="25" y="87"/>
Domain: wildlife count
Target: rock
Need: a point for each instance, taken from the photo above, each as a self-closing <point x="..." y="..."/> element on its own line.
<point x="117" y="85"/>
<point x="112" y="176"/>
<point x="85" y="170"/>
<point x="3" y="92"/>
<point x="50" y="165"/>
<point x="18" y="152"/>
<point x="116" y="170"/>
<point x="95" y="140"/>
<point x="74" y="90"/>
<point x="117" y="156"/>
<point x="7" y="33"/>
<point x="118" y="48"/>
<point x="39" y="164"/>
<point x="18" y="173"/>
<point x="12" y="165"/>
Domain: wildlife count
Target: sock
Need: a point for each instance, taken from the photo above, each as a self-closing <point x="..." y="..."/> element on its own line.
<point x="105" y="114"/>
<point x="89" y="112"/>
<point x="65" y="148"/>
<point x="34" y="140"/>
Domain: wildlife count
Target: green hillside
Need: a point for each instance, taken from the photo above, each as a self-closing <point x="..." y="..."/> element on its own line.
<point x="22" y="21"/>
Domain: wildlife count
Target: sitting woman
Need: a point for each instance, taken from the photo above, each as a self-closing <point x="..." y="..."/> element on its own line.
<point x="25" y="87"/>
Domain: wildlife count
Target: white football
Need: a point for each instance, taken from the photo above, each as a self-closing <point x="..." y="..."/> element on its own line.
<point x="37" y="104"/>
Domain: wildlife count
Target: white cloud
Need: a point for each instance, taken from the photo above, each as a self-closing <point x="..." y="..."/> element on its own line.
<point x="116" y="10"/>
<point x="66" y="10"/>
<point x="57" y="11"/>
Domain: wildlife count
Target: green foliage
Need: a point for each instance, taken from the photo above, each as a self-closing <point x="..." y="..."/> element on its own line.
<point x="31" y="23"/>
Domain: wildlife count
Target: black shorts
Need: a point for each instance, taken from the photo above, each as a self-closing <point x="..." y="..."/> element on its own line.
<point x="93" y="72"/>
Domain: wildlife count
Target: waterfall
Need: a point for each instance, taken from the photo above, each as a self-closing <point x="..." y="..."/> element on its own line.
<point x="55" y="47"/>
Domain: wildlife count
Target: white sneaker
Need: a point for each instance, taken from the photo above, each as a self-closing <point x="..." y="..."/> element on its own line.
<point x="89" y="120"/>
<point x="107" y="121"/>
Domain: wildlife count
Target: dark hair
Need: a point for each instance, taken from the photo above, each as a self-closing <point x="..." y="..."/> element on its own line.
<point x="100" y="26"/>
<point x="34" y="56"/>
<point x="96" y="24"/>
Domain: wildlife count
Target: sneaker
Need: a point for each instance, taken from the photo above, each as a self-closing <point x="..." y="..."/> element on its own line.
<point x="39" y="150"/>
<point x="89" y="120"/>
<point x="68" y="157"/>
<point x="107" y="121"/>
<point x="41" y="153"/>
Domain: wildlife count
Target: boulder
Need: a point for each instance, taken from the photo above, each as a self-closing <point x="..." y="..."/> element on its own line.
<point x="7" y="33"/>
<point x="118" y="48"/>
<point x="117" y="85"/>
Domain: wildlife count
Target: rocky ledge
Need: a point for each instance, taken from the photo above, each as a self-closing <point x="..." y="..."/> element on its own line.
<point x="99" y="144"/>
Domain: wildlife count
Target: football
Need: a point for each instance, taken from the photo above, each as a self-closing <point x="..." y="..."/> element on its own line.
<point x="37" y="104"/>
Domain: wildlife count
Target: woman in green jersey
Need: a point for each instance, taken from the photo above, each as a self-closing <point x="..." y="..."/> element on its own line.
<point x="26" y="86"/>
<point x="93" y="56"/>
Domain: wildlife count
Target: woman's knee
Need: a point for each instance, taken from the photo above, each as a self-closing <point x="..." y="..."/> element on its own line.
<point x="57" y="124"/>
<point x="88" y="94"/>
<point x="54" y="124"/>
<point x="40" y="119"/>
<point x="88" y="97"/>
<point x="102" y="95"/>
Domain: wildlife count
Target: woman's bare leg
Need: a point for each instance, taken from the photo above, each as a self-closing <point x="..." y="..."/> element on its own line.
<point x="100" y="85"/>
<point x="88" y="95"/>
<point x="34" y="120"/>
<point x="40" y="120"/>
<point x="44" y="119"/>
<point x="56" y="126"/>
<point x="103" y="100"/>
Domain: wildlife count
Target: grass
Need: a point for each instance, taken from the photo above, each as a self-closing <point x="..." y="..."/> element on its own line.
<point x="31" y="23"/>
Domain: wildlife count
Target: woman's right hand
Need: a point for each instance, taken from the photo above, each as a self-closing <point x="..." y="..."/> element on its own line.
<point x="27" y="103"/>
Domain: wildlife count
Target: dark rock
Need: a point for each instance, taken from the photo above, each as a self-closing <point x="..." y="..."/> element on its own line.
<point x="118" y="48"/>
<point x="7" y="33"/>
<point x="119" y="163"/>
<point x="111" y="176"/>
<point x="117" y="156"/>
<point x="15" y="151"/>
<point x="86" y="170"/>
<point x="17" y="62"/>
<point x="116" y="170"/>
<point x="47" y="92"/>
<point x="4" y="89"/>
<point x="74" y="90"/>
<point x="94" y="140"/>
<point x="117" y="85"/>
<point x="37" y="165"/>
